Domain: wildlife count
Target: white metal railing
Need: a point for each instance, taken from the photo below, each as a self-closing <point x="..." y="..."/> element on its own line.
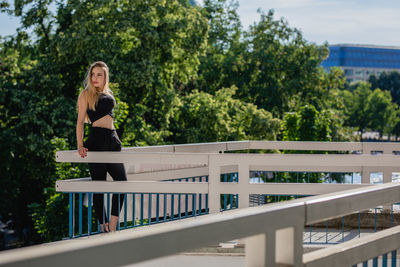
<point x="361" y="147"/>
<point x="244" y="163"/>
<point x="273" y="235"/>
<point x="166" y="162"/>
<point x="147" y="166"/>
<point x="152" y="164"/>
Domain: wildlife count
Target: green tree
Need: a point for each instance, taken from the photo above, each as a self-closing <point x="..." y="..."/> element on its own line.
<point x="307" y="124"/>
<point x="147" y="44"/>
<point x="28" y="122"/>
<point x="283" y="69"/>
<point x="51" y="217"/>
<point x="223" y="59"/>
<point x="271" y="64"/>
<point x="356" y="107"/>
<point x="367" y="109"/>
<point x="159" y="52"/>
<point x="382" y="113"/>
<point x="389" y="81"/>
<point x="202" y="117"/>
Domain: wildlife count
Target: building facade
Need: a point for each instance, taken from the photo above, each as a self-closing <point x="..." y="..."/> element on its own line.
<point x="360" y="61"/>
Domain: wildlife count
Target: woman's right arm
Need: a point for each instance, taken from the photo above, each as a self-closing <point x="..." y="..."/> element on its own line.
<point x="82" y="104"/>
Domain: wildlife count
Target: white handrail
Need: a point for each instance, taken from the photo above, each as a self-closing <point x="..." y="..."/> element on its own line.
<point x="285" y="219"/>
<point x="243" y="163"/>
<point x="130" y="187"/>
<point x="284" y="241"/>
<point x="87" y="185"/>
<point x="362" y="147"/>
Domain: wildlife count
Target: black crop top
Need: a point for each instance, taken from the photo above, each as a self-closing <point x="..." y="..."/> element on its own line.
<point x="104" y="107"/>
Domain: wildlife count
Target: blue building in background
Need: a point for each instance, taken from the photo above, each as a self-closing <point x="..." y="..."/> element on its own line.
<point x="360" y="61"/>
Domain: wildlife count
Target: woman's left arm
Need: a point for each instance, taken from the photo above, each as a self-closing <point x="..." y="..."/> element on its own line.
<point x="80" y="123"/>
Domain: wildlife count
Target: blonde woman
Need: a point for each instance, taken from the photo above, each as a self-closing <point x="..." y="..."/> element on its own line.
<point x="95" y="105"/>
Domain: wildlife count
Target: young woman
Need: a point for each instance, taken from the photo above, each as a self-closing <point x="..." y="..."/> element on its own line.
<point x="95" y="105"/>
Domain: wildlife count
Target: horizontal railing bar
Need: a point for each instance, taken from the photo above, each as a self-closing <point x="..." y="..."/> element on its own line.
<point x="201" y="147"/>
<point x="355" y="251"/>
<point x="87" y="185"/>
<point x="306" y="145"/>
<point x="385" y="147"/>
<point x="157" y="240"/>
<point x="312" y="160"/>
<point x="134" y="157"/>
<point x="185" y="172"/>
<point x="307" y="168"/>
<point x="293" y="160"/>
<point x="289" y="188"/>
<point x="168" y="174"/>
<point x="172" y="238"/>
<point x="367" y="147"/>
<point x="73" y="185"/>
<point x="346" y="202"/>
<point x="301" y="188"/>
<point x="195" y="147"/>
<point x="164" y="148"/>
<point x="177" y="173"/>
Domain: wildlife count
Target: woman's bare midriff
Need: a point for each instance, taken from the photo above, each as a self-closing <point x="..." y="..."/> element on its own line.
<point x="104" y="122"/>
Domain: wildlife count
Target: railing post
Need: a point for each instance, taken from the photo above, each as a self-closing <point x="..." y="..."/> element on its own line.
<point x="244" y="182"/>
<point x="365" y="176"/>
<point x="80" y="214"/>
<point x="71" y="210"/>
<point x="289" y="245"/>
<point x="214" y="184"/>
<point x="387" y="175"/>
<point x="387" y="178"/>
<point x="89" y="213"/>
<point x="281" y="246"/>
<point x="260" y="250"/>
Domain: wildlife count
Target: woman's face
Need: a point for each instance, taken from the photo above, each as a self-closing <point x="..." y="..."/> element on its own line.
<point x="97" y="76"/>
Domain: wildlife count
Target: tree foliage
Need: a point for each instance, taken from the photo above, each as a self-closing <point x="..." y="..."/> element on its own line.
<point x="202" y="117"/>
<point x="382" y="113"/>
<point x="370" y="110"/>
<point x="271" y="64"/>
<point x="51" y="217"/>
<point x="148" y="45"/>
<point x="356" y="106"/>
<point x="180" y="73"/>
<point x="307" y="124"/>
<point x="389" y="81"/>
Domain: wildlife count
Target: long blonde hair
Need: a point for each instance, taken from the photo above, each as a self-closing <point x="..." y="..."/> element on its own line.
<point x="92" y="93"/>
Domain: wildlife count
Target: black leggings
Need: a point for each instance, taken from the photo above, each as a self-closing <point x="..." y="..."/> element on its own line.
<point x="103" y="139"/>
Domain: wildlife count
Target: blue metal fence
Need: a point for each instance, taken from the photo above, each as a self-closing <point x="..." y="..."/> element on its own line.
<point x="84" y="223"/>
<point x="229" y="201"/>
<point x="383" y="259"/>
<point x="178" y="206"/>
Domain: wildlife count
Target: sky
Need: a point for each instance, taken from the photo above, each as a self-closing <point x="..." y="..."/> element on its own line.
<point x="334" y="21"/>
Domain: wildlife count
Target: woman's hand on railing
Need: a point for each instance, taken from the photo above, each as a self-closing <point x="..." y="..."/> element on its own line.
<point x="82" y="151"/>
